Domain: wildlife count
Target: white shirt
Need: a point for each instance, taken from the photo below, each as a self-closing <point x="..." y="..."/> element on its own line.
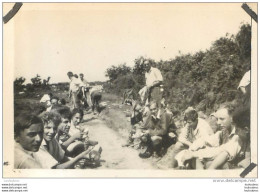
<point x="96" y="88"/>
<point x="245" y="80"/>
<point x="84" y="83"/>
<point x="74" y="84"/>
<point x="202" y="131"/>
<point x="46" y="160"/>
<point x="51" y="157"/>
<point x="24" y="159"/>
<point x="232" y="147"/>
<point x="75" y="129"/>
<point x="153" y="75"/>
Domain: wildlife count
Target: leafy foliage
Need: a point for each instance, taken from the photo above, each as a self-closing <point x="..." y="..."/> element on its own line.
<point x="203" y="80"/>
<point x="19" y="83"/>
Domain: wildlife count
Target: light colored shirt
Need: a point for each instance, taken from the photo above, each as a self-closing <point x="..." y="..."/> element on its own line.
<point x="84" y="83"/>
<point x="73" y="129"/>
<point x="49" y="109"/>
<point x="245" y="80"/>
<point x="96" y="88"/>
<point x="54" y="148"/>
<point x="75" y="84"/>
<point x="24" y="159"/>
<point x="232" y="147"/>
<point x="45" y="98"/>
<point x="152" y="76"/>
<point x="202" y="131"/>
<point x="46" y="160"/>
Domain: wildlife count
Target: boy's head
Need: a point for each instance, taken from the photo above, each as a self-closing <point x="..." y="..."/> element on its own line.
<point x="70" y="74"/>
<point x="65" y="114"/>
<point x="76" y="116"/>
<point x="62" y="101"/>
<point x="28" y="132"/>
<point x="76" y="76"/>
<point x="241" y="120"/>
<point x="154" y="108"/>
<point x="147" y="67"/>
<point x="54" y="100"/>
<point x="81" y="75"/>
<point x="51" y="122"/>
<point x="224" y="117"/>
<point x="191" y="117"/>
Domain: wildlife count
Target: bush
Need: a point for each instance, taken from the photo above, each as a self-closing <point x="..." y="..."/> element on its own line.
<point x="202" y="80"/>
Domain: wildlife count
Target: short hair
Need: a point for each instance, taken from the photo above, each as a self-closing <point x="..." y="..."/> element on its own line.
<point x="63" y="101"/>
<point x="50" y="94"/>
<point x="190" y="114"/>
<point x="241" y="117"/>
<point x="24" y="121"/>
<point x="75" y="75"/>
<point x="51" y="116"/>
<point x="81" y="74"/>
<point x="70" y="74"/>
<point x="63" y="111"/>
<point x="38" y="109"/>
<point x="229" y="107"/>
<point x="75" y="111"/>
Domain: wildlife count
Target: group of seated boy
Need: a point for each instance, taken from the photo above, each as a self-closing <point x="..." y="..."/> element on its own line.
<point x="54" y="140"/>
<point x="196" y="145"/>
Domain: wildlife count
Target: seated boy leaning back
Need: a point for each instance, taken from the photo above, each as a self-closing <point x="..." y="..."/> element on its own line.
<point x="51" y="154"/>
<point x="228" y="154"/>
<point x="73" y="138"/>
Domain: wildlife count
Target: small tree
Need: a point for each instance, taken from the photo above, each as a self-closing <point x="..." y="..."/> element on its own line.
<point x="36" y="81"/>
<point x="45" y="82"/>
<point x="18" y="83"/>
<point x="115" y="71"/>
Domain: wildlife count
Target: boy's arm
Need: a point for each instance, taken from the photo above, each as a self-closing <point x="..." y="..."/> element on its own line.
<point x="72" y="161"/>
<point x="70" y="93"/>
<point x="78" y="135"/>
<point x="184" y="135"/>
<point x="219" y="161"/>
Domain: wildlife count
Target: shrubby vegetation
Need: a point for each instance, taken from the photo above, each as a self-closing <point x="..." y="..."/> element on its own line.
<point x="33" y="89"/>
<point x="203" y="80"/>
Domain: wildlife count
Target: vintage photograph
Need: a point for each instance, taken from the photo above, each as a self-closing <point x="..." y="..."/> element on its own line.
<point x="129" y="89"/>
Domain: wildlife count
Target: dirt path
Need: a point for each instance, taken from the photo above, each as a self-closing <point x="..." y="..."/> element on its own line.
<point x="114" y="156"/>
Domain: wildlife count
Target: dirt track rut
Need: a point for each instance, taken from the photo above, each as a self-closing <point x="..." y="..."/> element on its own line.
<point x="114" y="156"/>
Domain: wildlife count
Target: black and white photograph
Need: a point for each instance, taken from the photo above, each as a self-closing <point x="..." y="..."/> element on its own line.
<point x="130" y="90"/>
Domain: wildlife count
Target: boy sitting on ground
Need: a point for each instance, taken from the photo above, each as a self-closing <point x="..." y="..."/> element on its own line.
<point x="157" y="137"/>
<point x="233" y="145"/>
<point x="76" y="140"/>
<point x="51" y="154"/>
<point x="195" y="129"/>
<point x="28" y="134"/>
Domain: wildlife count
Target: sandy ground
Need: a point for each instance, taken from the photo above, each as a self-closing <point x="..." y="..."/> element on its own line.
<point x="114" y="156"/>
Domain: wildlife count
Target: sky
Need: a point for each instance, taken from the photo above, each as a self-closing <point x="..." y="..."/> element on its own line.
<point x="52" y="39"/>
